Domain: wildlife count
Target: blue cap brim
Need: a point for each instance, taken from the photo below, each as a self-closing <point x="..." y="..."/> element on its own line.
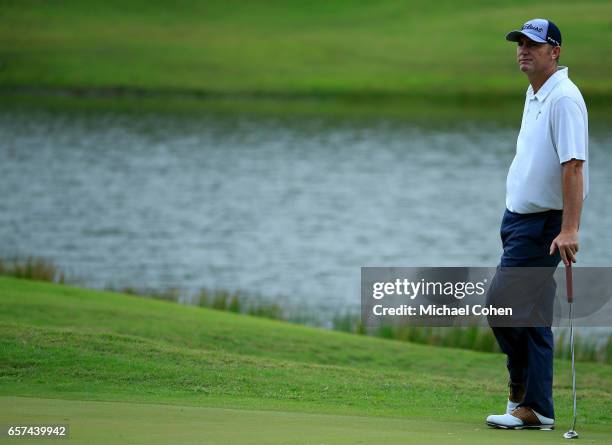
<point x="513" y="36"/>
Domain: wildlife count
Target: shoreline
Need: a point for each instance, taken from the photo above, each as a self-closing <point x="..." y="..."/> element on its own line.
<point x="462" y="106"/>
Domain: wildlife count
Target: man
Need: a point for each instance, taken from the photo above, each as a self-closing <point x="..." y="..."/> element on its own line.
<point x="546" y="185"/>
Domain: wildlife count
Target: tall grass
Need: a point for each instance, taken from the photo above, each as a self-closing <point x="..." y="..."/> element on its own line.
<point x="32" y="268"/>
<point x="474" y="338"/>
<point x="586" y="349"/>
<point x="219" y="299"/>
<point x="239" y="302"/>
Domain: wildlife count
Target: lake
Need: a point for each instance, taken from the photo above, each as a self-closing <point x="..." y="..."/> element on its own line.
<point x="285" y="208"/>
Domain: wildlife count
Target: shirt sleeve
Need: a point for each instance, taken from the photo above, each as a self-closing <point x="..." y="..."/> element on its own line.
<point x="568" y="130"/>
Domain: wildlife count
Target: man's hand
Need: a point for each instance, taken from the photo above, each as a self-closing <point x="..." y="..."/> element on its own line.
<point x="567" y="240"/>
<point x="567" y="243"/>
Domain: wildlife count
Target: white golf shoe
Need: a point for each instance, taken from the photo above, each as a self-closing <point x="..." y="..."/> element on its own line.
<point x="521" y="418"/>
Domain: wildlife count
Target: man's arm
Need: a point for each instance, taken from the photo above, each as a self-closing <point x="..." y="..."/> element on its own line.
<point x="567" y="240"/>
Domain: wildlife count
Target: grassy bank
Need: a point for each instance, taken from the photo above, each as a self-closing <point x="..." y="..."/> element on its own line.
<point x="70" y="343"/>
<point x="397" y="57"/>
<point x="413" y="108"/>
<point x="588" y="348"/>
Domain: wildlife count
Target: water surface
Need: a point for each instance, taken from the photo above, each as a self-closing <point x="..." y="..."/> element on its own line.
<point x="285" y="208"/>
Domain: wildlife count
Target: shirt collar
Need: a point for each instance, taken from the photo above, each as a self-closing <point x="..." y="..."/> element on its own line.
<point x="549" y="85"/>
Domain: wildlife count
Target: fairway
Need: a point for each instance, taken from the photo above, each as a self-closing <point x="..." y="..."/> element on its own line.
<point x="290" y="47"/>
<point x="119" y="422"/>
<point x="272" y="56"/>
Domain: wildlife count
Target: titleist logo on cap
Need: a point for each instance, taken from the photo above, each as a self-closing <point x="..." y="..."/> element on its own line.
<point x="530" y="26"/>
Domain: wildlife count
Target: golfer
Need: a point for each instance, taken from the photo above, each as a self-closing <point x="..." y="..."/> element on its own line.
<point x="545" y="188"/>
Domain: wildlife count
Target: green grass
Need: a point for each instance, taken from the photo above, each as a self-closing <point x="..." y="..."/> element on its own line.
<point x="419" y="110"/>
<point x="233" y="52"/>
<point x="152" y="424"/>
<point x="68" y="343"/>
<point x="473" y="338"/>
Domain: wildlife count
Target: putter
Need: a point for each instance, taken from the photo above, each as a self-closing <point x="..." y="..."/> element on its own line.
<point x="571" y="434"/>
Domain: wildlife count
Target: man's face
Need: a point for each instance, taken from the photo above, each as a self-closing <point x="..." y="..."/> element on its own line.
<point x="535" y="57"/>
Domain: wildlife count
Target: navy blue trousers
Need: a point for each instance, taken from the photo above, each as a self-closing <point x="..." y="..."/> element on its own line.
<point x="526" y="240"/>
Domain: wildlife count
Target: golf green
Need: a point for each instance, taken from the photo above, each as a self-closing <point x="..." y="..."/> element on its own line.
<point x="150" y="424"/>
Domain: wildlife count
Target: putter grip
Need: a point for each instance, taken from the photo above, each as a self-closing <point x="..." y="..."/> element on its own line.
<point x="569" y="283"/>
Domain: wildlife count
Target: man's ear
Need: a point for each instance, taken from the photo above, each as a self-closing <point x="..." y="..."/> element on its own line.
<point x="556" y="52"/>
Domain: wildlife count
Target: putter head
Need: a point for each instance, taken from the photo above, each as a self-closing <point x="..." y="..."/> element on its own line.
<point x="571" y="434"/>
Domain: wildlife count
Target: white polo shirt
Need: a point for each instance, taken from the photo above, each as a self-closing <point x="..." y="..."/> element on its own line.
<point x="554" y="130"/>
